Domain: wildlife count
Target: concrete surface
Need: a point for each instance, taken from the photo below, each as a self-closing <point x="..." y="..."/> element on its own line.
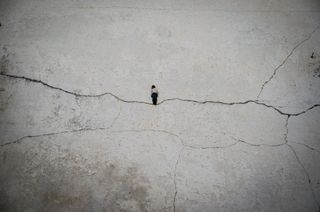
<point x="236" y="128"/>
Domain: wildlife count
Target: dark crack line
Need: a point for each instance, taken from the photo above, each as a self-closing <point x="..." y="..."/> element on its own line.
<point x="285" y="60"/>
<point x="19" y="140"/>
<point x="306" y="174"/>
<point x="259" y="145"/>
<point x="70" y="92"/>
<point x="241" y="103"/>
<point x="161" y="102"/>
<point x="307" y="146"/>
<point x="267" y="145"/>
<point x="211" y="147"/>
<point x="287" y="130"/>
<point x="302" y="112"/>
<point x="183" y="143"/>
<point x="237" y="141"/>
<point x="186" y="146"/>
<point x="151" y="130"/>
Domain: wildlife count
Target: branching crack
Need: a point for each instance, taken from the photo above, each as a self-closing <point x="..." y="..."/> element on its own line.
<point x="19" y="140"/>
<point x="285" y="60"/>
<point x="306" y="174"/>
<point x="268" y="145"/>
<point x="71" y="92"/>
<point x="161" y="102"/>
<point x="237" y="141"/>
<point x="184" y="145"/>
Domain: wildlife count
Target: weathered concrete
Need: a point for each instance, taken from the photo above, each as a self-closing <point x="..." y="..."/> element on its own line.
<point x="236" y="128"/>
<point x="242" y="178"/>
<point x="90" y="171"/>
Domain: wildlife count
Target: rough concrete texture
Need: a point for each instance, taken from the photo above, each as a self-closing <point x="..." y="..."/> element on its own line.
<point x="236" y="128"/>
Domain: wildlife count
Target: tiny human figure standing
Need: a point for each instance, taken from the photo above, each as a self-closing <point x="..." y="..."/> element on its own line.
<point x="154" y="94"/>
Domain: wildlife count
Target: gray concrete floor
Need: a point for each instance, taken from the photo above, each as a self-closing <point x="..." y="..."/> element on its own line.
<point x="236" y="128"/>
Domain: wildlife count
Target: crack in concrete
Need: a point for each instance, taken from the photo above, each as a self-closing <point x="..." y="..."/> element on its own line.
<point x="285" y="60"/>
<point x="240" y="103"/>
<point x="306" y="174"/>
<point x="217" y="147"/>
<point x="20" y="140"/>
<point x="119" y="131"/>
<point x="268" y="145"/>
<point x="302" y="112"/>
<point x="182" y="142"/>
<point x="307" y="146"/>
<point x="172" y="134"/>
<point x="287" y="130"/>
<point x="175" y="180"/>
<point x="116" y="118"/>
<point x="161" y="102"/>
<point x="151" y="130"/>
<point x="70" y="92"/>
<point x="183" y="147"/>
<point x="211" y="147"/>
<point x="259" y="145"/>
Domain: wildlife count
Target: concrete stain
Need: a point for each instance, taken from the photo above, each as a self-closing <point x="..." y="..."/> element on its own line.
<point x="129" y="186"/>
<point x="316" y="71"/>
<point x="65" y="184"/>
<point x="4" y="102"/>
<point x="4" y="63"/>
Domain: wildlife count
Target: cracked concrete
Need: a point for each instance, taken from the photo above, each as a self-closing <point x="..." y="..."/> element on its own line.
<point x="304" y="140"/>
<point x="116" y="164"/>
<point x="237" y="177"/>
<point x="213" y="124"/>
<point x="314" y="195"/>
<point x="28" y="114"/>
<point x="220" y="48"/>
<point x="286" y="59"/>
<point x="76" y="94"/>
<point x="297" y="75"/>
<point x="79" y="133"/>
